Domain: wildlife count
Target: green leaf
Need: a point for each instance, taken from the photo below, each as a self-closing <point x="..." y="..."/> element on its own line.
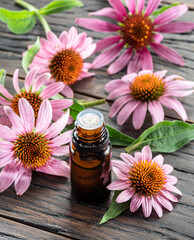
<point x="59" y="6"/>
<point x="18" y="22"/>
<point x="75" y="109"/>
<point x="115" y="208"/>
<point x="165" y="137"/>
<point x="30" y="54"/>
<point x="68" y="127"/>
<point x="2" y="76"/>
<point x="118" y="138"/>
<point x="163" y="9"/>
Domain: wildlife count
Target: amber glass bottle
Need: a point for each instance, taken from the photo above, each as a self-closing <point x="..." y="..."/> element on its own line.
<point x="90" y="155"/>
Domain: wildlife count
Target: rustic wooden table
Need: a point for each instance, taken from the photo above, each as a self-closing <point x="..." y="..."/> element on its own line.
<point x="48" y="210"/>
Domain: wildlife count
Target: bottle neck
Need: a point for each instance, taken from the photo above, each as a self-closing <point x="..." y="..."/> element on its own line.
<point x="91" y="135"/>
<point x="90" y="141"/>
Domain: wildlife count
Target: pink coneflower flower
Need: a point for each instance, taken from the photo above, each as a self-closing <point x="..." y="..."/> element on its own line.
<point x="147" y="90"/>
<point x="29" y="146"/>
<point x="34" y="94"/>
<point x="145" y="181"/>
<point x="136" y="30"/>
<point x="63" y="57"/>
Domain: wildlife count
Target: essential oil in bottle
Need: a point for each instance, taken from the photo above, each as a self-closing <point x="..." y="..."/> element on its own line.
<point x="90" y="156"/>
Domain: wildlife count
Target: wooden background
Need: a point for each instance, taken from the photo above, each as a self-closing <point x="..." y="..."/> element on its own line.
<point x="48" y="210"/>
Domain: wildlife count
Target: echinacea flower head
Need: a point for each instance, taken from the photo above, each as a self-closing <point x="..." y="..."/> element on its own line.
<point x="145" y="181"/>
<point x="31" y="145"/>
<point x="137" y="93"/>
<point x="136" y="31"/>
<point x="33" y="92"/>
<point x="64" y="57"/>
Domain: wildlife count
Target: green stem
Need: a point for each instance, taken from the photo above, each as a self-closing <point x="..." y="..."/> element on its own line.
<point x="26" y="5"/>
<point x="39" y="16"/>
<point x="81" y="101"/>
<point x="130" y="148"/>
<point x="43" y="22"/>
<point x="93" y="103"/>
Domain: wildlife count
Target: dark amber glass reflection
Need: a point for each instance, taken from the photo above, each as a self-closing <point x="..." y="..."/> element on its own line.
<point x="90" y="155"/>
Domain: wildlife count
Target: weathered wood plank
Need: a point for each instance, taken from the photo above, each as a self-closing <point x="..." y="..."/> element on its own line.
<point x="63" y="21"/>
<point x="48" y="210"/>
<point x="13" y="45"/>
<point x="49" y="205"/>
<point x="10" y="230"/>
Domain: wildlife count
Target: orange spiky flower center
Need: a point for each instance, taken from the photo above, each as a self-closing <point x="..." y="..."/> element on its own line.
<point x="148" y="178"/>
<point x="66" y="66"/>
<point x="137" y="31"/>
<point x="147" y="87"/>
<point x="33" y="98"/>
<point x="32" y="150"/>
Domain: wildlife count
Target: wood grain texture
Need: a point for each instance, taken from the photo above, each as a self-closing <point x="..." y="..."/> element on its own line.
<point x="22" y="231"/>
<point x="48" y="210"/>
